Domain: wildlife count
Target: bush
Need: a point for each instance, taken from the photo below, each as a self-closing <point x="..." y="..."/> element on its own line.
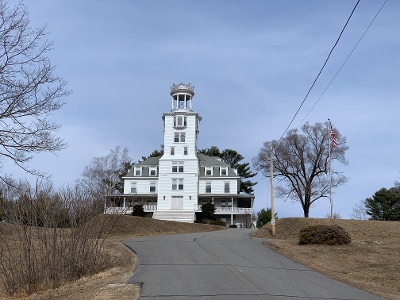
<point x="138" y="211"/>
<point x="324" y="234"/>
<point x="219" y="223"/>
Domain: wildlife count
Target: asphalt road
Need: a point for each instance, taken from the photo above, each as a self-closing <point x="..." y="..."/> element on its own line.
<point x="226" y="264"/>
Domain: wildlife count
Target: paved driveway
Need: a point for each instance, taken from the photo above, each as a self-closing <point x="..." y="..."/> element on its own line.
<point x="226" y="264"/>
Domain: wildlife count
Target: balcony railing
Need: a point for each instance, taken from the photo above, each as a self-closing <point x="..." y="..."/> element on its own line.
<point x="152" y="208"/>
<point x="129" y="210"/>
<point x="228" y="210"/>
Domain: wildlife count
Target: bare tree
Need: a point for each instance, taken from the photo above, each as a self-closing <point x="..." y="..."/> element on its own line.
<point x="103" y="176"/>
<point x="301" y="163"/>
<point x="29" y="90"/>
<point x="360" y="211"/>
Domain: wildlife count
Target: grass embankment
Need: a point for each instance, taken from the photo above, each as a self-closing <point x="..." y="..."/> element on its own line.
<point x="112" y="282"/>
<point x="371" y="262"/>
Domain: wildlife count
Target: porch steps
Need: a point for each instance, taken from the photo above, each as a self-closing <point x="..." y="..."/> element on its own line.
<point x="186" y="216"/>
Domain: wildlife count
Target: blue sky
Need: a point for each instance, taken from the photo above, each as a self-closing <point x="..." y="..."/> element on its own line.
<point x="251" y="62"/>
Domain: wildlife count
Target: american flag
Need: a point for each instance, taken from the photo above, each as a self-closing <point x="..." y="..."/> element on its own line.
<point x="333" y="136"/>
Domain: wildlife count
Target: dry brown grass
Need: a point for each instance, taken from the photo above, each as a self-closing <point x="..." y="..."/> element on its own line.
<point x="111" y="283"/>
<point x="371" y="262"/>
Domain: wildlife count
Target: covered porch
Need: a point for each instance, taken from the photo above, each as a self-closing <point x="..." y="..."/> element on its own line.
<point x="232" y="209"/>
<point x="124" y="204"/>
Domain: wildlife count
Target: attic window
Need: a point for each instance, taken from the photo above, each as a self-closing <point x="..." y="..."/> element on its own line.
<point x="208" y="171"/>
<point x="138" y="171"/>
<point x="224" y="171"/>
<point x="153" y="171"/>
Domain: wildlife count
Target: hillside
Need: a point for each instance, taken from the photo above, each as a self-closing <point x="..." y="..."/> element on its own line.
<point x="371" y="262"/>
<point x="289" y="228"/>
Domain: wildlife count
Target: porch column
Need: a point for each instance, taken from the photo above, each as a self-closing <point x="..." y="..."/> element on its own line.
<point x="232" y="212"/>
<point x="124" y="203"/>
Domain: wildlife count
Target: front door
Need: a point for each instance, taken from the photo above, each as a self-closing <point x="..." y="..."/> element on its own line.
<point x="177" y="203"/>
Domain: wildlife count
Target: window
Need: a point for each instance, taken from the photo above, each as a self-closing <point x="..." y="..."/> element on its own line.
<point x="185" y="150"/>
<point x="138" y="171"/>
<point x="133" y="188"/>
<point x="152" y="187"/>
<point x="208" y="171"/>
<point x="223" y="203"/>
<point x="172" y="150"/>
<point x="223" y="171"/>
<point x="180" y="122"/>
<point x="179" y="137"/>
<point x="153" y="171"/>
<point x="177" y="167"/>
<point x="226" y="187"/>
<point x="177" y="184"/>
<point x="208" y="187"/>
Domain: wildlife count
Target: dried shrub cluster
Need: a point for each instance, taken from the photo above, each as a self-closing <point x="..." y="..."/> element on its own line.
<point x="48" y="239"/>
<point x="324" y="234"/>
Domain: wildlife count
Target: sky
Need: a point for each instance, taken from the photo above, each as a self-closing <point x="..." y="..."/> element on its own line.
<point x="251" y="62"/>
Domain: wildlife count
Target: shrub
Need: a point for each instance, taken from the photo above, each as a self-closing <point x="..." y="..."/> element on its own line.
<point x="219" y="223"/>
<point x="138" y="211"/>
<point x="324" y="234"/>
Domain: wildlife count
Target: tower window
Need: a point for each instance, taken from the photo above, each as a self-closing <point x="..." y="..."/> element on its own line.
<point x="177" y="184"/>
<point x="172" y="150"/>
<point x="180" y="122"/>
<point x="177" y="167"/>
<point x="185" y="150"/>
<point x="179" y="137"/>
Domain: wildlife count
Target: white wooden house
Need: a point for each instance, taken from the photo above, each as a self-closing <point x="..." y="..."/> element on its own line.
<point x="175" y="185"/>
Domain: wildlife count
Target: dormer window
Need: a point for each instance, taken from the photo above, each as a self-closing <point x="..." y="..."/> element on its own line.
<point x="208" y="171"/>
<point x="180" y="122"/>
<point x="223" y="171"/>
<point x="153" y="171"/>
<point x="138" y="171"/>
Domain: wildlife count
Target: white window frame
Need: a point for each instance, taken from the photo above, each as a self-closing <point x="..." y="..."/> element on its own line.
<point x="138" y="171"/>
<point x="223" y="171"/>
<point x="208" y="187"/>
<point x="133" y="187"/>
<point x="177" y="184"/>
<point x="180" y="121"/>
<point x="153" y="185"/>
<point x="152" y="169"/>
<point x="208" y="170"/>
<point x="179" y="137"/>
<point x="177" y="167"/>
<point x="227" y="187"/>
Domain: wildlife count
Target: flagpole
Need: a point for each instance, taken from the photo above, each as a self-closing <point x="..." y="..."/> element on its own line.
<point x="330" y="165"/>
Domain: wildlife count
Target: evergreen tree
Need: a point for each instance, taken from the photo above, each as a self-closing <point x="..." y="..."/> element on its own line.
<point x="384" y="205"/>
<point x="233" y="159"/>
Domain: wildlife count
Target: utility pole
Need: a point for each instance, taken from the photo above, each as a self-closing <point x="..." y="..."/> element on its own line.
<point x="271" y="180"/>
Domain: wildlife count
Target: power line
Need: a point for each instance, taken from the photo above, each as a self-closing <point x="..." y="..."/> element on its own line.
<point x="322" y="68"/>
<point x="347" y="58"/>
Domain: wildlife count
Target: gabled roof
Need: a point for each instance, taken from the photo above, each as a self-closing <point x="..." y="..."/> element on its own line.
<point x="215" y="162"/>
<point x="150" y="162"/>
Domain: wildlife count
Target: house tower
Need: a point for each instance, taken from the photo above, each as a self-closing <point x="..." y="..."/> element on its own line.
<point x="179" y="166"/>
